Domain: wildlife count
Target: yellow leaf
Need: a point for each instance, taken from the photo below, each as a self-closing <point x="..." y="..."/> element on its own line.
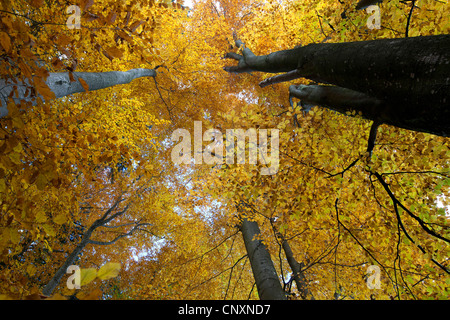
<point x="14" y="236"/>
<point x="2" y="185"/>
<point x="15" y="157"/>
<point x="17" y="122"/>
<point x="60" y="219"/>
<point x="41" y="181"/>
<point x="18" y="148"/>
<point x="87" y="275"/>
<point x="109" y="270"/>
<point x="41" y="217"/>
<point x="31" y="270"/>
<point x="49" y="230"/>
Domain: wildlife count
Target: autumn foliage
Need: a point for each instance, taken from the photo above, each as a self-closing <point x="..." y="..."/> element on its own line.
<point x="167" y="231"/>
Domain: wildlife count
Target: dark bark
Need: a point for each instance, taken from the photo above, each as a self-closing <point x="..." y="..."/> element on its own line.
<point x="267" y="282"/>
<point x="107" y="217"/>
<point x="53" y="283"/>
<point x="299" y="277"/>
<point x="410" y="76"/>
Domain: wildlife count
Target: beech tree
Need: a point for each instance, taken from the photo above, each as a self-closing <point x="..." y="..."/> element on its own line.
<point x="341" y="204"/>
<point x="401" y="82"/>
<point x="58" y="85"/>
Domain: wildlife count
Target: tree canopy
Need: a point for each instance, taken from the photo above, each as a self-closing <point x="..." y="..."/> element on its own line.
<point x="358" y="207"/>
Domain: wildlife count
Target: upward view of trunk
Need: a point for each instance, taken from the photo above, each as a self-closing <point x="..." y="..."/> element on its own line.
<point x="401" y="82"/>
<point x="54" y="282"/>
<point x="61" y="85"/>
<point x="299" y="277"/>
<point x="267" y="282"/>
<point x="103" y="221"/>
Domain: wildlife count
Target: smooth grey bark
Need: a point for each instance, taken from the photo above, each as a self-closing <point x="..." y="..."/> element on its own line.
<point x="266" y="278"/>
<point x="299" y="277"/>
<point x="60" y="84"/>
<point x="409" y="75"/>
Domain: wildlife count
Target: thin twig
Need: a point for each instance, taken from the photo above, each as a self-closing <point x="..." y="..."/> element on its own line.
<point x="409" y="17"/>
<point x="159" y="92"/>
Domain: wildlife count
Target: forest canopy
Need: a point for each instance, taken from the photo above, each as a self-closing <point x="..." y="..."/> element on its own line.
<point x="347" y="100"/>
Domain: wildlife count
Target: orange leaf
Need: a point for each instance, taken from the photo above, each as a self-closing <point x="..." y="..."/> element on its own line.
<point x="25" y="69"/>
<point x="136" y="25"/>
<point x="114" y="52"/>
<point x="63" y="40"/>
<point x="93" y="295"/>
<point x="90" y="17"/>
<point x="36" y="3"/>
<point x="111" y="17"/>
<point x="124" y="35"/>
<point x="84" y="84"/>
<point x="86" y="4"/>
<point x="57" y="64"/>
<point x="5" y="41"/>
<point x="43" y="89"/>
<point x="71" y="77"/>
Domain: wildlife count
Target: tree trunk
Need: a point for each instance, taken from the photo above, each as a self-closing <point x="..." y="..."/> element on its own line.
<point x="107" y="217"/>
<point x="410" y="76"/>
<point x="299" y="277"/>
<point x="267" y="282"/>
<point x="53" y="283"/>
<point x="60" y="85"/>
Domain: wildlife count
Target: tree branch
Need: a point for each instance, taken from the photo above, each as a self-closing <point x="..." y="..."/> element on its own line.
<point x="288" y="76"/>
<point x="129" y="233"/>
<point x="394" y="199"/>
<point x="413" y="5"/>
<point x="338" y="99"/>
<point x="372" y="137"/>
<point x="420" y="221"/>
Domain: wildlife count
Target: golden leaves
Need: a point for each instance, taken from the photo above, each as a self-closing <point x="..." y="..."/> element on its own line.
<point x="5" y="41"/>
<point x="36" y="3"/>
<point x="87" y="275"/>
<point x="42" y="88"/>
<point x="109" y="270"/>
<point x="60" y="156"/>
<point x="2" y="185"/>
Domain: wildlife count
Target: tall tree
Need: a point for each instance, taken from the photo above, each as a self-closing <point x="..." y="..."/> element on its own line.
<point x="266" y="277"/>
<point x="58" y="85"/>
<point x="320" y="223"/>
<point x="401" y="82"/>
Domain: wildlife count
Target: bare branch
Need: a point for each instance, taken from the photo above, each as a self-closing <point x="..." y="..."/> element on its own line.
<point x="413" y="5"/>
<point x="288" y="76"/>
<point x="420" y="221"/>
